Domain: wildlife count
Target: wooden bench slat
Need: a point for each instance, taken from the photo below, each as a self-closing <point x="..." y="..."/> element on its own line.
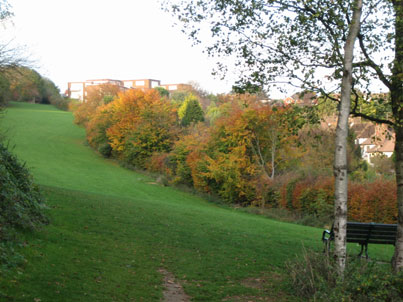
<point x="373" y="231"/>
<point x="365" y="224"/>
<point x="382" y="242"/>
<point x="378" y="236"/>
<point x="386" y="240"/>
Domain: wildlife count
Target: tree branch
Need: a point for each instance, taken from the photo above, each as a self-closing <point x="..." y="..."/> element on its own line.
<point x="372" y="64"/>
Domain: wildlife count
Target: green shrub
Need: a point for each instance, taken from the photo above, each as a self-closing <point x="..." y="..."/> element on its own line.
<point x="177" y="163"/>
<point x="190" y="111"/>
<point x="60" y="103"/>
<point x="314" y="278"/>
<point x="316" y="202"/>
<point x="105" y="150"/>
<point x="273" y="197"/>
<point x="20" y="207"/>
<point x="20" y="200"/>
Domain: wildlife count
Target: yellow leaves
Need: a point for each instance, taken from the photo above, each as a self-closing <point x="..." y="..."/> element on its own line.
<point x="135" y="125"/>
<point x="230" y="171"/>
<point x="238" y="148"/>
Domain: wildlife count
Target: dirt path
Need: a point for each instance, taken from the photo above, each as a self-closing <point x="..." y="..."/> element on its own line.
<point x="173" y="291"/>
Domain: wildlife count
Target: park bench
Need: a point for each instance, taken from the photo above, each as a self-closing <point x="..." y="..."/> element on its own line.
<point x="365" y="233"/>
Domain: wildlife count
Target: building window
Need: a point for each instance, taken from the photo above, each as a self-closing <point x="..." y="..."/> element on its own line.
<point x="128" y="84"/>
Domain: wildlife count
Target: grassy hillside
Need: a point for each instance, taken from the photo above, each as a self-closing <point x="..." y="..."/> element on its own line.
<point x="112" y="230"/>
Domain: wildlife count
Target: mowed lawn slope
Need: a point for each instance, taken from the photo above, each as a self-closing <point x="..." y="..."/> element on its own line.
<point x="112" y="229"/>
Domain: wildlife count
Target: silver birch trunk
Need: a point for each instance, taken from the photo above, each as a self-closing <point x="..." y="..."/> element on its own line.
<point x="340" y="160"/>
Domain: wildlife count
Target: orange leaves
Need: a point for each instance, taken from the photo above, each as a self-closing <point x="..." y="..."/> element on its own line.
<point x="96" y="96"/>
<point x="135" y="125"/>
<point x="245" y="142"/>
<point x="97" y="126"/>
<point x="367" y="202"/>
<point x="142" y="123"/>
<point x="374" y="201"/>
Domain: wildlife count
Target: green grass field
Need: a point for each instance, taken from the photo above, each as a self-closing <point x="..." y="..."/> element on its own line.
<point x="113" y="229"/>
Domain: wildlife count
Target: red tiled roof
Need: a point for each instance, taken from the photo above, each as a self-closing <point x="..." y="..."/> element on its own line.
<point x="385" y="146"/>
<point x="368" y="141"/>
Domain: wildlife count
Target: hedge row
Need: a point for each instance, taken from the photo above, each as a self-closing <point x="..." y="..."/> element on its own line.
<point x="367" y="202"/>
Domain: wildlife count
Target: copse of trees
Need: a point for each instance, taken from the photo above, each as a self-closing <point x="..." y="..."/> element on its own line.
<point x="250" y="153"/>
<point x="134" y="126"/>
<point x="24" y="84"/>
<point x="27" y="85"/>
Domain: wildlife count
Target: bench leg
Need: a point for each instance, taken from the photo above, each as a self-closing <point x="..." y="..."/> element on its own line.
<point x="364" y="246"/>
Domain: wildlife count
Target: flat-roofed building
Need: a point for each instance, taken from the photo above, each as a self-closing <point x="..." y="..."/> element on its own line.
<point x="144" y="84"/>
<point x="78" y="90"/>
<point x="177" y="87"/>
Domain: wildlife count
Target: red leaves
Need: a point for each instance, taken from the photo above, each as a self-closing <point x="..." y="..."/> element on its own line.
<point x="373" y="202"/>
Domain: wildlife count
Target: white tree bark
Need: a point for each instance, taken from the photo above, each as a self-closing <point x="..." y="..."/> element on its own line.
<point x="340" y="161"/>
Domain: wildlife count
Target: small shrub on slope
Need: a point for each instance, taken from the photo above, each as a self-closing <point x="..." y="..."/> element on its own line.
<point x="20" y="200"/>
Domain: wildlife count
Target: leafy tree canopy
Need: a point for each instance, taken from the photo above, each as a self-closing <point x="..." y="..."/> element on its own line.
<point x="190" y="111"/>
<point x="292" y="42"/>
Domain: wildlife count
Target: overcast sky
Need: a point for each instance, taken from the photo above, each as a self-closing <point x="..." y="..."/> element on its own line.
<point x="75" y="40"/>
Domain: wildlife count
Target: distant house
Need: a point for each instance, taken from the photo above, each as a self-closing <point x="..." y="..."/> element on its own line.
<point x="373" y="139"/>
<point x="366" y="145"/>
<point x="386" y="148"/>
<point x="302" y="99"/>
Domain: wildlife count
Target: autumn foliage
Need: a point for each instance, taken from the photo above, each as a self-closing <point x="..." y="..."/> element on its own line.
<point x="97" y="95"/>
<point x="135" y="125"/>
<point x="249" y="154"/>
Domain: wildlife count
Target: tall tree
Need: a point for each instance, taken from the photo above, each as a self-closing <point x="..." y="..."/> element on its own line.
<point x="340" y="157"/>
<point x="301" y="42"/>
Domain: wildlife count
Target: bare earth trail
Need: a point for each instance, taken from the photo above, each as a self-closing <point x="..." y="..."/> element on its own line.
<point x="173" y="291"/>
